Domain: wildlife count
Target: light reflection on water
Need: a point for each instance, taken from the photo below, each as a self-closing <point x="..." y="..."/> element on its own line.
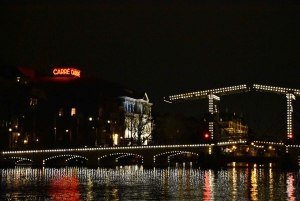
<point x="136" y="183"/>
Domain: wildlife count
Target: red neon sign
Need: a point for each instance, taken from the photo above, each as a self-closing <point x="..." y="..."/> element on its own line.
<point x="67" y="71"/>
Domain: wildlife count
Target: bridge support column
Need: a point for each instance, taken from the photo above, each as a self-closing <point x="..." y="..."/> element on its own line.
<point x="93" y="159"/>
<point x="148" y="158"/>
<point x="289" y="117"/>
<point x="291" y="159"/>
<point x="37" y="160"/>
<point x="212" y="110"/>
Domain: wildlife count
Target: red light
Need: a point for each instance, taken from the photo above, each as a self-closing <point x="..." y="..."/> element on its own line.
<point x="66" y="71"/>
<point x="290" y="136"/>
<point x="206" y="135"/>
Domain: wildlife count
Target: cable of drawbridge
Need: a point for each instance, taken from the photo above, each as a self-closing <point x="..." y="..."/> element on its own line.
<point x="275" y="122"/>
<point x="256" y="116"/>
<point x="296" y="114"/>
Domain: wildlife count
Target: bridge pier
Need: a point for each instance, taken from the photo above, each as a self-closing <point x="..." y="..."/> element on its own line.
<point x="93" y="159"/>
<point x="38" y="159"/>
<point x="291" y="158"/>
<point x="148" y="157"/>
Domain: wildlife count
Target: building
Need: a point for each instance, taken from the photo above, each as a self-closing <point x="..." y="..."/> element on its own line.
<point x="67" y="109"/>
<point x="231" y="128"/>
<point x="138" y="120"/>
<point x="227" y="127"/>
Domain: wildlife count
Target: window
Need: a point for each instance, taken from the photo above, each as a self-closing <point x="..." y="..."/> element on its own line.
<point x="60" y="112"/>
<point x="33" y="101"/>
<point x="73" y="111"/>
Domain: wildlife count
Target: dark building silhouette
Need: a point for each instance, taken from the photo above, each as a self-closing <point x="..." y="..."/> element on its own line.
<point x="62" y="109"/>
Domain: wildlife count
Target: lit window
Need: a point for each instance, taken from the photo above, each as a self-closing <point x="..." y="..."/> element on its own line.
<point x="115" y="139"/>
<point x="33" y="101"/>
<point x="73" y="111"/>
<point x="60" y="112"/>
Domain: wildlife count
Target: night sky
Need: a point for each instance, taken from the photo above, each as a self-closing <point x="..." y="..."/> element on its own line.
<point x="163" y="48"/>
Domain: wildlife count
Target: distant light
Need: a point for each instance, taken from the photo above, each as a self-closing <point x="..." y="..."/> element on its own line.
<point x="90" y="119"/>
<point x="10" y="129"/>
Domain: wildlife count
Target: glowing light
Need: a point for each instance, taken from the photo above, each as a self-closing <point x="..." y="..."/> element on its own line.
<point x="289" y="97"/>
<point x="66" y="71"/>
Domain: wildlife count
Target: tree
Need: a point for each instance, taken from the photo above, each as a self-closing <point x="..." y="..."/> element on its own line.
<point x="140" y="123"/>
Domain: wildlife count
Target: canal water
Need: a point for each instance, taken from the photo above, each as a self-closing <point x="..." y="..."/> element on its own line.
<point x="138" y="183"/>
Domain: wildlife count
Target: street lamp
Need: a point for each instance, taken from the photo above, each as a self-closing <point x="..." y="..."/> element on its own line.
<point x="55" y="134"/>
<point x="9" y="138"/>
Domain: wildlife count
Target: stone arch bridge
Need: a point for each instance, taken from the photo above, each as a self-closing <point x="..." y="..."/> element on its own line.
<point x="147" y="155"/>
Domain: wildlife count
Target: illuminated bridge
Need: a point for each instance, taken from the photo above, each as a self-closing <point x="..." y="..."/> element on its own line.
<point x="214" y="95"/>
<point x="146" y="155"/>
<point x="152" y="155"/>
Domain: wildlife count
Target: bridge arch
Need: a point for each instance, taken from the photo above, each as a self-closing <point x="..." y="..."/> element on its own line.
<point x="117" y="156"/>
<point x="166" y="156"/>
<point x="21" y="159"/>
<point x="64" y="159"/>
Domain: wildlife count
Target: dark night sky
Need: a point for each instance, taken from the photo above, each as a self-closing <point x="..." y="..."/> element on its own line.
<point x="161" y="48"/>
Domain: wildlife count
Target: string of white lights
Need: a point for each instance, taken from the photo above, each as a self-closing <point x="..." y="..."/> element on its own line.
<point x="205" y="93"/>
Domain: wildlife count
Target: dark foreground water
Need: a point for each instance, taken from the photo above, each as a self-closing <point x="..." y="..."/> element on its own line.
<point x="136" y="183"/>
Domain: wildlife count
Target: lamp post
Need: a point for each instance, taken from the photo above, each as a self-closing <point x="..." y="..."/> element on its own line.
<point x="37" y="143"/>
<point x="9" y="138"/>
<point x="55" y="134"/>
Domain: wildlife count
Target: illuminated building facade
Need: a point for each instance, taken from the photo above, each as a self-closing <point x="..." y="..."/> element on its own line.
<point x="138" y="120"/>
<point x="62" y="109"/>
<point x="231" y="128"/>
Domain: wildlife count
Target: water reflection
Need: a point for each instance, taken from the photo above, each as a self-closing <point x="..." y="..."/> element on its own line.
<point x="253" y="189"/>
<point x="64" y="188"/>
<point x="290" y="186"/>
<point x="137" y="183"/>
<point x="207" y="185"/>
